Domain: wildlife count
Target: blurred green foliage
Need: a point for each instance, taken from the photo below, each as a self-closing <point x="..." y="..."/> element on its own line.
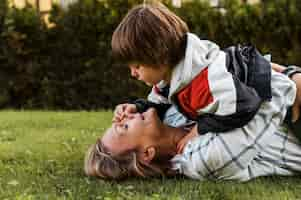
<point x="69" y="66"/>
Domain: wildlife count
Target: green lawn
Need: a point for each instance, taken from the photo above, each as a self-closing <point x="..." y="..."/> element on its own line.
<point x="41" y="157"/>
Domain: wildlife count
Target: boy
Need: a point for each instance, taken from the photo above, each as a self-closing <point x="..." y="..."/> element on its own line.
<point x="221" y="90"/>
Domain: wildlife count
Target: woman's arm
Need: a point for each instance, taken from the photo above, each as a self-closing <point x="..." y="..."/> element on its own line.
<point x="277" y="67"/>
<point x="296" y="77"/>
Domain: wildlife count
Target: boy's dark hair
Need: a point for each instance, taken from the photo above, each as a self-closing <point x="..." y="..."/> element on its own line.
<point x="152" y="35"/>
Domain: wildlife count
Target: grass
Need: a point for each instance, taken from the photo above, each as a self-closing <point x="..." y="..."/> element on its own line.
<point x="41" y="157"/>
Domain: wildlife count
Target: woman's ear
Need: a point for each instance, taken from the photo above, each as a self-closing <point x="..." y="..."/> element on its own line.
<point x="148" y="154"/>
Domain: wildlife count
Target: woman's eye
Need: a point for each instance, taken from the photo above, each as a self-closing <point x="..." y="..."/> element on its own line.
<point x="125" y="126"/>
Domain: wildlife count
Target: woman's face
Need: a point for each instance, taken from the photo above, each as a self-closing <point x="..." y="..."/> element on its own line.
<point x="134" y="132"/>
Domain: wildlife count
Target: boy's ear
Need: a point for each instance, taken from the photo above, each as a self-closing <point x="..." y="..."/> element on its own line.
<point x="148" y="154"/>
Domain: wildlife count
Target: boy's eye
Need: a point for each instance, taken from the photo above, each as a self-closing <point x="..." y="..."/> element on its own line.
<point x="136" y="66"/>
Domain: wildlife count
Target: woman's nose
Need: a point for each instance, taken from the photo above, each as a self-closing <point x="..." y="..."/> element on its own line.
<point x="130" y="115"/>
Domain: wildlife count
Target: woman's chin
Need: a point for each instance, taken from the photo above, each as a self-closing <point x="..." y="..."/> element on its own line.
<point x="151" y="117"/>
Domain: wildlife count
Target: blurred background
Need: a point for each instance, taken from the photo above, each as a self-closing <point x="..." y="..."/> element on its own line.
<point x="56" y="54"/>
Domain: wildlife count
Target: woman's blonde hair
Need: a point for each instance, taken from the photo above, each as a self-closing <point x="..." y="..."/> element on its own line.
<point x="100" y="163"/>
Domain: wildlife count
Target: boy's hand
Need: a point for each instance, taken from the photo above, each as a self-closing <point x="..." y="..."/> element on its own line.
<point x="193" y="133"/>
<point x="123" y="110"/>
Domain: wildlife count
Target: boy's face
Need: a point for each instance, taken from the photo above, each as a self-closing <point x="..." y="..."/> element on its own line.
<point x="149" y="75"/>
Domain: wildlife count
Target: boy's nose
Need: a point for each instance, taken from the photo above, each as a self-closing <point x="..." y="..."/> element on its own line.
<point x="134" y="73"/>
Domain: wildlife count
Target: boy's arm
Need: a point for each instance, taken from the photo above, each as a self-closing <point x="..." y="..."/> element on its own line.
<point x="139" y="105"/>
<point x="142" y="105"/>
<point x="214" y="123"/>
<point x="228" y="98"/>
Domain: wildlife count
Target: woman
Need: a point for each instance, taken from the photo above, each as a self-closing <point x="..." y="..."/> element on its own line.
<point x="141" y="145"/>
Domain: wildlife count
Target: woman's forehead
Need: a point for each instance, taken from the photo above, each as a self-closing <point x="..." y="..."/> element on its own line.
<point x="108" y="138"/>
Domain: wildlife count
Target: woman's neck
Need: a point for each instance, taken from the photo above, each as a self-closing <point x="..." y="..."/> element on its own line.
<point x="171" y="137"/>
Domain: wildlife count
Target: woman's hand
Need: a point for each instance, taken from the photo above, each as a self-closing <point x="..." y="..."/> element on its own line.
<point x="297" y="79"/>
<point x="277" y="68"/>
<point x="296" y="106"/>
<point x="123" y="110"/>
<point x="193" y="133"/>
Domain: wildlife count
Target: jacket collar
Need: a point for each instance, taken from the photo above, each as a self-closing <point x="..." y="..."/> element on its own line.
<point x="198" y="55"/>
